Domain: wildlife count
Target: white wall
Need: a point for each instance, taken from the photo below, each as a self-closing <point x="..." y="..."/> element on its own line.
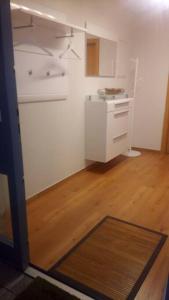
<point x="54" y="149"/>
<point x="53" y="137"/>
<point x="107" y="15"/>
<point x="151" y="45"/>
<point x="53" y="133"/>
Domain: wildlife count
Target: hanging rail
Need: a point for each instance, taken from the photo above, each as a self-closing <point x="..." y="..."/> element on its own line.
<point x="31" y="25"/>
<point x="71" y="35"/>
<point x="46" y="52"/>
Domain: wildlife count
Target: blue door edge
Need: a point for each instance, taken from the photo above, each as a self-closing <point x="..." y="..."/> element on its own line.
<point x="12" y="164"/>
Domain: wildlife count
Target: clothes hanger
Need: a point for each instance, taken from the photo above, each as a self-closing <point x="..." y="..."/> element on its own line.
<point x="46" y="52"/>
<point x="69" y="48"/>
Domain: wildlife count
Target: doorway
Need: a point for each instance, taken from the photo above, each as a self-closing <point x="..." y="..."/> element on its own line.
<point x="165" y="138"/>
<point x="77" y="204"/>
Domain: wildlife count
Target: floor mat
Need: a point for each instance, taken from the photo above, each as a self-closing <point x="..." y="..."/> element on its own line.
<point x="111" y="261"/>
<point x="41" y="289"/>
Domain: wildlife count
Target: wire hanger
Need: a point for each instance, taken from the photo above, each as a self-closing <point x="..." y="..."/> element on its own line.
<point x="46" y="52"/>
<point x="69" y="48"/>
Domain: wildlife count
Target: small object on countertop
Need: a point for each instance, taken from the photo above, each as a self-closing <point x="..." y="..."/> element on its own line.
<point x="101" y="92"/>
<point x="112" y="91"/>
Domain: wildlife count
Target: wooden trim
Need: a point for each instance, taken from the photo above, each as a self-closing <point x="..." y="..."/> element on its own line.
<point x="88" y="168"/>
<point x="146" y="150"/>
<point x="59" y="183"/>
<point x="92" y="59"/>
<point x="165" y="137"/>
<point x="63" y="181"/>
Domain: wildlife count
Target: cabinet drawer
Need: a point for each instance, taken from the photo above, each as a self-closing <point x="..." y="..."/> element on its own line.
<point x="120" y="122"/>
<point x="118" y="105"/>
<point x="120" y="144"/>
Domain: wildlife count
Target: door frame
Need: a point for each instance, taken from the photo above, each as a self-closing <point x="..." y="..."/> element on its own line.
<point x="165" y="136"/>
<point x="11" y="164"/>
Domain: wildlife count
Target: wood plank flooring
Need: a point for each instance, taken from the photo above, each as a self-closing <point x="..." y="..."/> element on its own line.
<point x="132" y="189"/>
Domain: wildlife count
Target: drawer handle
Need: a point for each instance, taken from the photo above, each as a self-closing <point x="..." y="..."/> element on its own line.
<point x="121" y="104"/>
<point x="120" y="136"/>
<point x="122" y="112"/>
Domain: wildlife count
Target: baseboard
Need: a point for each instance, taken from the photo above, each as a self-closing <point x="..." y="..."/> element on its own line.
<point x="58" y="183"/>
<point x="146" y="150"/>
<point x="88" y="167"/>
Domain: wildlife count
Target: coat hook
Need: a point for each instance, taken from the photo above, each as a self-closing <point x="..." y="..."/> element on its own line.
<point x="30" y="72"/>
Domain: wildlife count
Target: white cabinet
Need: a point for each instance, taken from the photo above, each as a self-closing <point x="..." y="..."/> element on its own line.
<point x="107" y="128"/>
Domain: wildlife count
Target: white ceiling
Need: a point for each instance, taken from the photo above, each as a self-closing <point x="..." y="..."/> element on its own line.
<point x="131" y="9"/>
<point x="130" y="13"/>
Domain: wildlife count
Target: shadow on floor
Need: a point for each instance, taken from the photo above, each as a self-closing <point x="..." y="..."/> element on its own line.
<point x="12" y="282"/>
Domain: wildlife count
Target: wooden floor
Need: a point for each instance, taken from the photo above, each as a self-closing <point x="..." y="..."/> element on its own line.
<point x="131" y="189"/>
<point x="6" y="225"/>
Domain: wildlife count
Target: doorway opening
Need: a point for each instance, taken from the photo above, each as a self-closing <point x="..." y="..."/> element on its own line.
<point x="67" y="194"/>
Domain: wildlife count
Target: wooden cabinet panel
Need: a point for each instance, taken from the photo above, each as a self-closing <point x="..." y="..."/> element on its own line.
<point x="93" y="57"/>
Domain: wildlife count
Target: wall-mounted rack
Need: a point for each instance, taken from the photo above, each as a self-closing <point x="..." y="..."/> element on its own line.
<point x="71" y="35"/>
<point x="28" y="99"/>
<point x="45" y="52"/>
<point x="31" y="25"/>
<point x="40" y="18"/>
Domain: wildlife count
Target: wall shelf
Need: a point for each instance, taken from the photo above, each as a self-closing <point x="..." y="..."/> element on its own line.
<point x="20" y="14"/>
